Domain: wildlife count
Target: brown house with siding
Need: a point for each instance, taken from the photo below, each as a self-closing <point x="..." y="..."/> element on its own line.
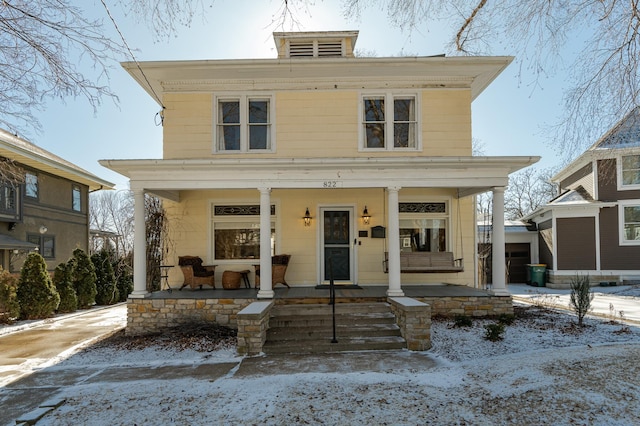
<point x="593" y="227"/>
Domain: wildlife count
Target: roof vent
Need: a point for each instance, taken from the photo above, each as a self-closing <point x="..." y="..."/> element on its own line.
<point x="327" y="44"/>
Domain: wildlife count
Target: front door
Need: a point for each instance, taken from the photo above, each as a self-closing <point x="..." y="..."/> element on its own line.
<point x="337" y="248"/>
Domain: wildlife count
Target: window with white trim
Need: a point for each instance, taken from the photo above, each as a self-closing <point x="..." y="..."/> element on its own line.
<point x="629" y="219"/>
<point x="424" y="226"/>
<point x="243" y="124"/>
<point x="389" y="122"/>
<point x="629" y="171"/>
<point x="236" y="231"/>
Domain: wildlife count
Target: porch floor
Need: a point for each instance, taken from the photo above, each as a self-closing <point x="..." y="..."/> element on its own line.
<point x="370" y="292"/>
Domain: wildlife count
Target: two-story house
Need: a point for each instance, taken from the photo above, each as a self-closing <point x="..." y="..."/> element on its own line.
<point x="47" y="209"/>
<point x="333" y="159"/>
<point x="593" y="226"/>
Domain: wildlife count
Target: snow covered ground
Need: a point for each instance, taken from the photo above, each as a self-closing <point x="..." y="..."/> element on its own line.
<point x="545" y="371"/>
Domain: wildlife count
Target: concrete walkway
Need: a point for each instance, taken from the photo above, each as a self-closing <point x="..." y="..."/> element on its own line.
<point x="608" y="302"/>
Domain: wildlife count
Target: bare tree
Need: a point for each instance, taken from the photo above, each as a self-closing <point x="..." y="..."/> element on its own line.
<point x="604" y="74"/>
<point x="112" y="212"/>
<point x="528" y="189"/>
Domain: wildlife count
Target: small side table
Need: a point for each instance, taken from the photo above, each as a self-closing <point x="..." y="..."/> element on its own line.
<point x="164" y="277"/>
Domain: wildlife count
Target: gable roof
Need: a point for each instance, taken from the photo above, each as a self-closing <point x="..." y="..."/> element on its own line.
<point x="624" y="135"/>
<point x="28" y="154"/>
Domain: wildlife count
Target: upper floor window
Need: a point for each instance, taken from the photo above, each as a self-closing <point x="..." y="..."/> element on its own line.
<point x="629" y="216"/>
<point x="76" y="198"/>
<point x="31" y="185"/>
<point x="389" y="122"/>
<point x="243" y="124"/>
<point x="8" y="199"/>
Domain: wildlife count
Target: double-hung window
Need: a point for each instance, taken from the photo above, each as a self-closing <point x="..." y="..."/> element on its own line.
<point x="629" y="217"/>
<point x="389" y="122"/>
<point x="46" y="244"/>
<point x="629" y="172"/>
<point x="244" y="124"/>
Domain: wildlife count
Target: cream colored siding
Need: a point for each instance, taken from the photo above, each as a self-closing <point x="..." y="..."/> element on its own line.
<point x="318" y="124"/>
<point x="446" y="122"/>
<point x="188" y="126"/>
<point x="193" y="235"/>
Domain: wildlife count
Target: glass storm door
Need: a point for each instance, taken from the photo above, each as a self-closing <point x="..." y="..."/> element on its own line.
<point x="337" y="250"/>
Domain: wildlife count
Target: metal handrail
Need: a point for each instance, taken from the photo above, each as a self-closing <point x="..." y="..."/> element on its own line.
<point x="332" y="298"/>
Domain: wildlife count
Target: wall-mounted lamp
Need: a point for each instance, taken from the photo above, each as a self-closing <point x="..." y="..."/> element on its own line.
<point x="366" y="217"/>
<point x="307" y="218"/>
<point x="43" y="229"/>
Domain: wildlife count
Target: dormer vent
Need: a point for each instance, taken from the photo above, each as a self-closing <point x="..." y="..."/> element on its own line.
<point x="327" y="44"/>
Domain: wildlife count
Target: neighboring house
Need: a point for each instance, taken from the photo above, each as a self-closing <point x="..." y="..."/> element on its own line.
<point x="520" y="249"/>
<point x="320" y="155"/>
<point x="593" y="226"/>
<point x="49" y="211"/>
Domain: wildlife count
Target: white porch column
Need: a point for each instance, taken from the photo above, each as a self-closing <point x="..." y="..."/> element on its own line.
<point x="395" y="288"/>
<point x="266" y="286"/>
<point x="139" y="247"/>
<point x="497" y="244"/>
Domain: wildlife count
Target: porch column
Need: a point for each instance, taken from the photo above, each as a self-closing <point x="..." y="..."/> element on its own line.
<point x="139" y="247"/>
<point x="395" y="288"/>
<point x="497" y="247"/>
<point x="266" y="287"/>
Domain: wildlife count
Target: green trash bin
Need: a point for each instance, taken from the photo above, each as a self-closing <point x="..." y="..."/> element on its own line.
<point x="537" y="273"/>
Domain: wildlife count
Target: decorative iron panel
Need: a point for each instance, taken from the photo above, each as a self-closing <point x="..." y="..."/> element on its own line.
<point x="422" y="207"/>
<point x="241" y="210"/>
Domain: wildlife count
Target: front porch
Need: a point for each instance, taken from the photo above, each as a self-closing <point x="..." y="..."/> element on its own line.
<point x="165" y="309"/>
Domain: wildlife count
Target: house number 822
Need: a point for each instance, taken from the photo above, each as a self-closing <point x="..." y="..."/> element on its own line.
<point x="330" y="184"/>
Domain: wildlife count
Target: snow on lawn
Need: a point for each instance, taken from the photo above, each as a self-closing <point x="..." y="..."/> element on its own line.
<point x="545" y="371"/>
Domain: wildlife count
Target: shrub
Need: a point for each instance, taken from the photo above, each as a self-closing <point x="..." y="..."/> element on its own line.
<point x="64" y="285"/>
<point x="83" y="276"/>
<point x="37" y="296"/>
<point x="581" y="296"/>
<point x="506" y="319"/>
<point x="494" y="332"/>
<point x="462" y="321"/>
<point x="124" y="280"/>
<point x="107" y="292"/>
<point x="9" y="305"/>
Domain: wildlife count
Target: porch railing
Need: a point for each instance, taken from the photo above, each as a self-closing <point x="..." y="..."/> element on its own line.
<point x="332" y="299"/>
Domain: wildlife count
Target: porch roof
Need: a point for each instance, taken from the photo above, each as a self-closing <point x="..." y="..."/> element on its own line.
<point x="470" y="175"/>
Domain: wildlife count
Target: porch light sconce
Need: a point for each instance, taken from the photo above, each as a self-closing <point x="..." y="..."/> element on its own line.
<point x="307" y="218"/>
<point x="366" y="217"/>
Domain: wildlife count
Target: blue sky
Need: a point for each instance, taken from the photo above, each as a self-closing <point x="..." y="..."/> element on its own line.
<point x="509" y="118"/>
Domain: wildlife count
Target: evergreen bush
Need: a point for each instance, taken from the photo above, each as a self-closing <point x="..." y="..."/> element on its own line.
<point x="37" y="296"/>
<point x="107" y="292"/>
<point x="9" y="305"/>
<point x="124" y="280"/>
<point x="83" y="276"/>
<point x="64" y="285"/>
<point x="581" y="296"/>
<point x="494" y="332"/>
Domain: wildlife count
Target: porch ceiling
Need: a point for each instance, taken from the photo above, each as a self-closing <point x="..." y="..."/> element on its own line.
<point x="470" y="175"/>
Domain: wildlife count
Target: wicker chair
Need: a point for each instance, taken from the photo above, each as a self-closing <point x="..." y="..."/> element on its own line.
<point x="279" y="265"/>
<point x="195" y="274"/>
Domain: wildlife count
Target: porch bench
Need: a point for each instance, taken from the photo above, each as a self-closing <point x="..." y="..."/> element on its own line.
<point x="426" y="262"/>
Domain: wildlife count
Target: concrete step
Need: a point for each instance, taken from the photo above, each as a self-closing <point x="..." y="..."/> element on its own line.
<point x="282" y="334"/>
<point x="343" y="345"/>
<point x="308" y="328"/>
